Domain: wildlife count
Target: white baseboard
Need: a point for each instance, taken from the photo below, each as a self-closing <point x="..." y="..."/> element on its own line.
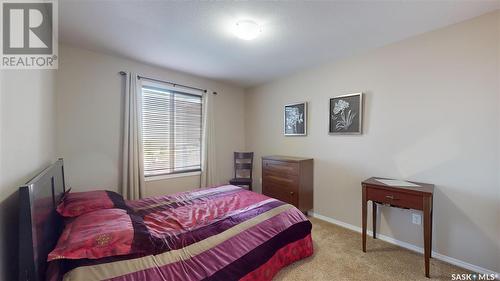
<point x="408" y="246"/>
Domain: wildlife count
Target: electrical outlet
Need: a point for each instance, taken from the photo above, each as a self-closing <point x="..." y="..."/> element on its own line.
<point x="416" y="219"/>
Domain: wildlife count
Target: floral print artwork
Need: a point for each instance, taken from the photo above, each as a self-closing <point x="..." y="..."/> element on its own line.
<point x="295" y="119"/>
<point x="343" y="119"/>
<point x="346" y="114"/>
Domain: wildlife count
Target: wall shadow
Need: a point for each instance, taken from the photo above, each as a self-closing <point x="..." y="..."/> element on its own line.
<point x="9" y="228"/>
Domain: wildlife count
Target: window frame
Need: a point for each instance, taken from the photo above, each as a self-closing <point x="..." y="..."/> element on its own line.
<point x="182" y="90"/>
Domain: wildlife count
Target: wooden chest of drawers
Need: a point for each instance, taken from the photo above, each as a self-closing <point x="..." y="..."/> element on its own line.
<point x="289" y="179"/>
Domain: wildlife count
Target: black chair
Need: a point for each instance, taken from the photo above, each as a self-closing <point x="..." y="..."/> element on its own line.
<point x="243" y="163"/>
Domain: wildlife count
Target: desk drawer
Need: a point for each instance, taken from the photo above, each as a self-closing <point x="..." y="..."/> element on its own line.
<point x="394" y="198"/>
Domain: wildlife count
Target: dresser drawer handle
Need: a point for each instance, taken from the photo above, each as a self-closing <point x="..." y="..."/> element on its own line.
<point x="292" y="193"/>
<point x="390" y="197"/>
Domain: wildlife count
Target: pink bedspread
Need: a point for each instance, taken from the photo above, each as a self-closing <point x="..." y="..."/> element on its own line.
<point x="223" y="233"/>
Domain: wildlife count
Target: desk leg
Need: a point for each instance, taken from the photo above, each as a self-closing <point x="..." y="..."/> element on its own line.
<point x="430" y="242"/>
<point x="374" y="219"/>
<point x="427" y="233"/>
<point x="364" y="214"/>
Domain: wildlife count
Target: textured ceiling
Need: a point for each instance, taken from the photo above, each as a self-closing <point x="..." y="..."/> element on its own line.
<point x="195" y="37"/>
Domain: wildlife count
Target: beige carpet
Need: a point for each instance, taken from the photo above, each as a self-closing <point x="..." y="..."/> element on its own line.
<point x="338" y="256"/>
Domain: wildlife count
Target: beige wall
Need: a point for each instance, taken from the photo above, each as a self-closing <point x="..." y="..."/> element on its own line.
<point x="27" y="145"/>
<point x="89" y="109"/>
<point x="432" y="115"/>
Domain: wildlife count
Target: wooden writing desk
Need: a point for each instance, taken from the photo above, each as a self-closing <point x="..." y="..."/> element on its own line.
<point x="418" y="198"/>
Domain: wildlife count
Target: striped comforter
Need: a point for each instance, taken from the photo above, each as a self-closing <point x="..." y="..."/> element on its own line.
<point x="223" y="233"/>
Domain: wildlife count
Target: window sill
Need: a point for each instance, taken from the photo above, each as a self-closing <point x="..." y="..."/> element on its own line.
<point x="172" y="176"/>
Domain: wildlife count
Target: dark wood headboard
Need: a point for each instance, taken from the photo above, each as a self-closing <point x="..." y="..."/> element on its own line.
<point x="39" y="224"/>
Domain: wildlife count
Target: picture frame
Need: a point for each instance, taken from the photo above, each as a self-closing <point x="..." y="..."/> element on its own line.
<point x="295" y="119"/>
<point x="346" y="114"/>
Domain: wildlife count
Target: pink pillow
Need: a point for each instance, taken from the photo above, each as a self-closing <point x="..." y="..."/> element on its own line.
<point x="77" y="203"/>
<point x="102" y="233"/>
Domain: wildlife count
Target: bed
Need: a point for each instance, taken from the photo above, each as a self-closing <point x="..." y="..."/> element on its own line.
<point x="221" y="233"/>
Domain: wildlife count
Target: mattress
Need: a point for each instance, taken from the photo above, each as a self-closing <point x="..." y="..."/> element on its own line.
<point x="222" y="233"/>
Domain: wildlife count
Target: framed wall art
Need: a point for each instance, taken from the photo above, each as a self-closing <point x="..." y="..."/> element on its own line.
<point x="295" y="119"/>
<point x="346" y="114"/>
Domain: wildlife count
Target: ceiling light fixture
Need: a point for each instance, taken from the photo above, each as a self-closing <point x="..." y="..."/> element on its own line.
<point x="247" y="29"/>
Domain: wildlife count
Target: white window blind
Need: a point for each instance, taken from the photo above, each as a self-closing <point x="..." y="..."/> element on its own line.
<point x="171" y="129"/>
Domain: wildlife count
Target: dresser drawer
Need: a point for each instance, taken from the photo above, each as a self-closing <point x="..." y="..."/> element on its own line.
<point x="276" y="182"/>
<point x="280" y="167"/>
<point x="291" y="181"/>
<point x="394" y="198"/>
<point x="281" y="193"/>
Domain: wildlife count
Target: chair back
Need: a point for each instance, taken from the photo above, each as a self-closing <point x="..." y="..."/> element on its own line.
<point x="243" y="164"/>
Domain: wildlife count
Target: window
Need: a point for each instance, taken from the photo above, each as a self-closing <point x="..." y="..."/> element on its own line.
<point x="171" y="130"/>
